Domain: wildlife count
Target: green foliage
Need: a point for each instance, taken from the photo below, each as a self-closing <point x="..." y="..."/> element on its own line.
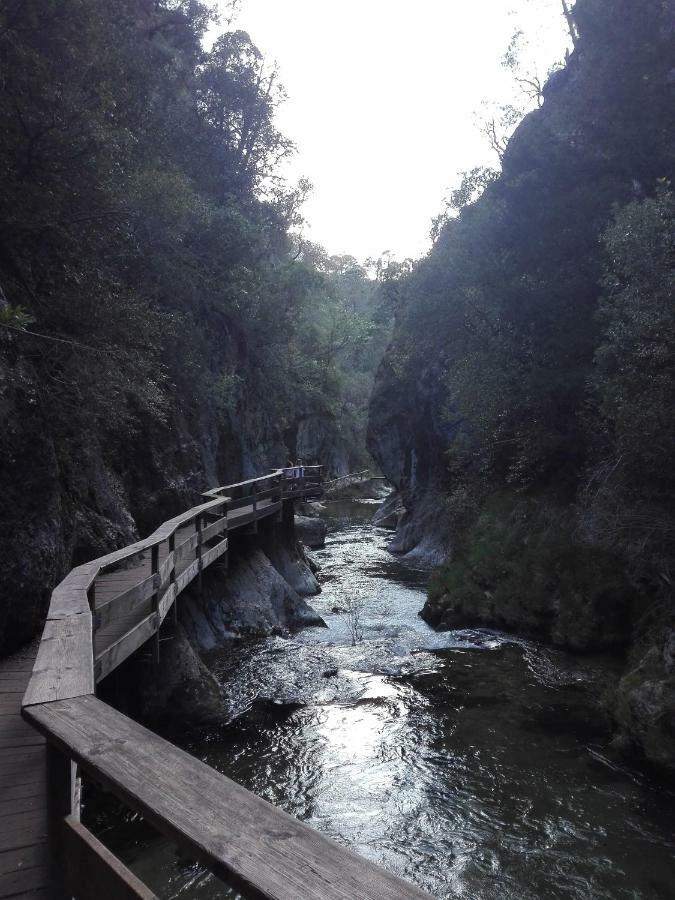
<point x="635" y="367"/>
<point x="514" y="547"/>
<point x="146" y="238"/>
<point x="520" y="563"/>
<point x="629" y="496"/>
<point x="15" y="317"/>
<point x="532" y="294"/>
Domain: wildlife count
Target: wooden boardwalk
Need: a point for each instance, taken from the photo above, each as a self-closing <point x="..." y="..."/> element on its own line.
<point x="24" y="857"/>
<point x="100" y="614"/>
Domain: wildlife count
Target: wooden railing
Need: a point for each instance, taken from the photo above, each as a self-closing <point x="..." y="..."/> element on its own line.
<point x="98" y="616"/>
<point x="352" y="478"/>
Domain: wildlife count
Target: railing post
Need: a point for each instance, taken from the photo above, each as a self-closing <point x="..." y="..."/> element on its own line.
<point x="91" y="598"/>
<point x="226" y="555"/>
<point x="63" y="799"/>
<point x="254" y="489"/>
<point x="198" y="553"/>
<point x="154" y="556"/>
<point x="172" y="575"/>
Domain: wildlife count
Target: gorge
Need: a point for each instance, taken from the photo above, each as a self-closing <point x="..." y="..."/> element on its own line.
<point x="472" y="684"/>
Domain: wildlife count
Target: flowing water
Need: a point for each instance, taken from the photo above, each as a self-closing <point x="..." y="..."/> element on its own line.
<point x="470" y="763"/>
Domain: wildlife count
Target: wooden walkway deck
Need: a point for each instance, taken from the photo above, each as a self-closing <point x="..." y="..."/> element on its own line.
<point x="24" y="857"/>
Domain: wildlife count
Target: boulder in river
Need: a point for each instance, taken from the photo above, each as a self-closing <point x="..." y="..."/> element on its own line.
<point x="311" y="531"/>
<point x="180" y="690"/>
<point x="644" y="704"/>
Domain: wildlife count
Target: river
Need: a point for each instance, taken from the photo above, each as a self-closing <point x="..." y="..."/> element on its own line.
<point x="471" y="763"/>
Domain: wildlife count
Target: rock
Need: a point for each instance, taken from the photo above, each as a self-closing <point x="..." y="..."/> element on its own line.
<point x="312" y="532"/>
<point x="422" y="531"/>
<point x="287" y="555"/>
<point x="180" y="691"/>
<point x="330" y="673"/>
<point x="311" y="508"/>
<point x="312" y="563"/>
<point x="319" y="437"/>
<point x="250" y="599"/>
<point x="644" y="705"/>
<point x="390" y="513"/>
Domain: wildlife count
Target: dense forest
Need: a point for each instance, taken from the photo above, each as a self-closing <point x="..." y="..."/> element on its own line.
<point x="525" y="407"/>
<point x="162" y="326"/>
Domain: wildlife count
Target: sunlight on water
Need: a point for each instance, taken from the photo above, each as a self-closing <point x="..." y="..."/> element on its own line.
<point x="471" y="763"/>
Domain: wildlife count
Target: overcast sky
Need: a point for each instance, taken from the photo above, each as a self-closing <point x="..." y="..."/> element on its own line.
<point x="382" y="103"/>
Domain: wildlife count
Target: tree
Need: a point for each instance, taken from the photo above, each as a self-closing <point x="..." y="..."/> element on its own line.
<point x="571" y="24"/>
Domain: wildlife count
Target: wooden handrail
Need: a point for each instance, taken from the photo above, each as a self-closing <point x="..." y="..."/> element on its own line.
<point x="253" y="844"/>
<point x="362" y="474"/>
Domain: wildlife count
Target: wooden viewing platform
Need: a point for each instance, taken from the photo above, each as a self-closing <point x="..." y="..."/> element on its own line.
<point x="100" y="614"/>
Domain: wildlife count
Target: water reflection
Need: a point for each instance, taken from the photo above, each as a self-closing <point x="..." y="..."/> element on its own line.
<point x="469" y="763"/>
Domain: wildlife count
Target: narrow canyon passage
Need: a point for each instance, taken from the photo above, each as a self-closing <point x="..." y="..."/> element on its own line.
<point x="471" y="763"/>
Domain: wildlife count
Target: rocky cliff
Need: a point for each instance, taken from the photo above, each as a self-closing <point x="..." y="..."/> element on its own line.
<point x="69" y="497"/>
<point x="483" y="414"/>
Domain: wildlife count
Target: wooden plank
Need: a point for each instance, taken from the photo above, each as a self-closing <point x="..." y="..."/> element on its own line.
<point x="10" y="688"/>
<point x="269" y="510"/>
<point x="64" y="665"/>
<point x="268" y="494"/>
<point x="24" y="858"/>
<point x="95" y="872"/>
<point x="125" y="602"/>
<point x="121" y="649"/>
<point x="40" y="894"/>
<point x="214" y="529"/>
<point x="69" y="598"/>
<point x="18" y="734"/>
<point x="212" y="554"/>
<point x="166" y="601"/>
<point x="34" y="788"/>
<point x="165" y="569"/>
<point x="18" y="883"/>
<point x="186" y="576"/>
<point x="240" y="518"/>
<point x="26" y="757"/>
<point x="239" y="503"/>
<point x="25" y="831"/>
<point x="259" y="848"/>
<point x="185" y="548"/>
<point x="8" y="808"/>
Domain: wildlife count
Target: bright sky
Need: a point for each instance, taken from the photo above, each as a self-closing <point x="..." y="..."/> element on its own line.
<point x="382" y="103"/>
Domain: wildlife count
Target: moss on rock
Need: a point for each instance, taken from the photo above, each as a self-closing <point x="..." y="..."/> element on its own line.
<point x="520" y="569"/>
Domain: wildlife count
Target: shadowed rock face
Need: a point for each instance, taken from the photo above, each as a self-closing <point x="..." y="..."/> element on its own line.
<point x="311" y="531"/>
<point x="258" y="594"/>
<point x="251" y="599"/>
<point x="644" y="703"/>
<point x="408" y="436"/>
<point x="602" y="137"/>
<point x="32" y="515"/>
<point x="179" y="691"/>
<point x="68" y="499"/>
